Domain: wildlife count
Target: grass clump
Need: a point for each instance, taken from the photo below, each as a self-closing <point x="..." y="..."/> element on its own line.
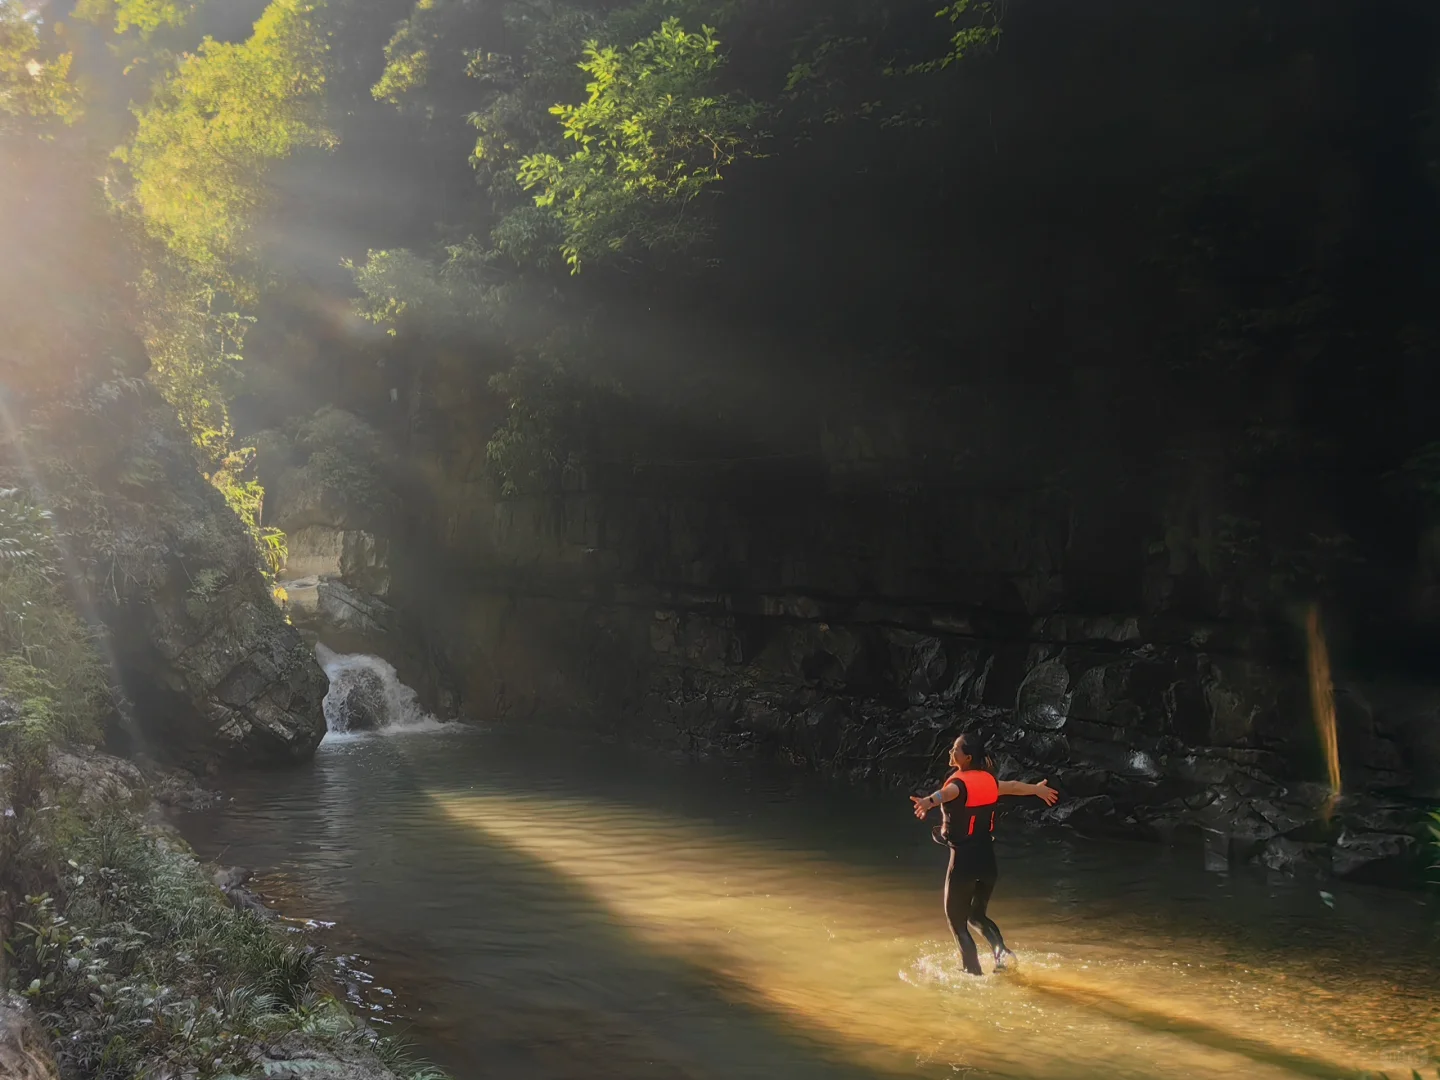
<point x="139" y="967"/>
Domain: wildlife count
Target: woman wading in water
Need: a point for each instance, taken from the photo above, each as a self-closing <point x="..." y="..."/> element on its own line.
<point x="967" y="802"/>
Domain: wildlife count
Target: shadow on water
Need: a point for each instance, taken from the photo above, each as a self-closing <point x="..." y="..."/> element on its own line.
<point x="519" y="900"/>
<point x="568" y="990"/>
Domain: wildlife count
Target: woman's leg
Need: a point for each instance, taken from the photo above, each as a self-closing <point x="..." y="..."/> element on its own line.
<point x="959" y="892"/>
<point x="979" y="900"/>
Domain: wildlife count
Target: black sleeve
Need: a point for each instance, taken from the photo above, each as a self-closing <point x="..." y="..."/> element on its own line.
<point x="964" y="796"/>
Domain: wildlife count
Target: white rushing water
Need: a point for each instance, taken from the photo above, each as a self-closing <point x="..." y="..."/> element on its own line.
<point x="367" y="695"/>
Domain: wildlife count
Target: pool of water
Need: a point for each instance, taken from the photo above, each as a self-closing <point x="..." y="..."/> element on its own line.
<point x="540" y="909"/>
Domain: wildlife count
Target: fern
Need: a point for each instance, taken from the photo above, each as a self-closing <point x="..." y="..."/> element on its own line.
<point x="25" y="532"/>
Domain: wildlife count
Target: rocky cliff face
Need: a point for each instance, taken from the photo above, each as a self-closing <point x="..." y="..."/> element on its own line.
<point x="1122" y="638"/>
<point x="876" y="586"/>
<point x="212" y="670"/>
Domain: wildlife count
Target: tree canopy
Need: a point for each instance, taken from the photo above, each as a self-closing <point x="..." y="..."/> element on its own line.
<point x="205" y="141"/>
<point x="35" y="83"/>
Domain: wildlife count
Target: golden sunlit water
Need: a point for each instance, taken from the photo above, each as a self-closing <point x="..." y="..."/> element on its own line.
<point x="546" y="916"/>
<point x="1322" y="701"/>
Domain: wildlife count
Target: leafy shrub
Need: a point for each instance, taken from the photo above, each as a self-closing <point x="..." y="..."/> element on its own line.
<point x="345" y="463"/>
<point x="49" y="664"/>
<point x="652" y="136"/>
<point x="151" y="972"/>
<point x="551" y="413"/>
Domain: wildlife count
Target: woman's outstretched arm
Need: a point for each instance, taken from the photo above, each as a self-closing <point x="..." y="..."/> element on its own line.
<point x="1042" y="790"/>
<point x="925" y="803"/>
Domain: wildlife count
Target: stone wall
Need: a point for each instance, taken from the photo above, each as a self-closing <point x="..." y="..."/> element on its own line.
<point x="853" y="603"/>
<point x="1120" y="642"/>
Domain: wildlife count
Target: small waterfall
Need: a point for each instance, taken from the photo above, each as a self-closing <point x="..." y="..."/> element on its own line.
<point x="366" y="695"/>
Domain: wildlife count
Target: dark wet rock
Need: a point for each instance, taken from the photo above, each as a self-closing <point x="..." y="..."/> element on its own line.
<point x="234" y="881"/>
<point x="1374" y="857"/>
<point x="1283" y="817"/>
<point x="24" y="1050"/>
<point x="1044" y="700"/>
<point x="296" y="1058"/>
<point x="230" y="877"/>
<point x="1368" y="814"/>
<point x="1289" y="856"/>
<point x="1090" y="810"/>
<point x="356" y="701"/>
<point x="176" y="788"/>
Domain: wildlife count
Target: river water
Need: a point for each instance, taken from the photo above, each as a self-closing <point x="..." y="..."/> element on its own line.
<point x="539" y="909"/>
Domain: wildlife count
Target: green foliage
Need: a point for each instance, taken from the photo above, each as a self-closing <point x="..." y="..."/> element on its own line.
<point x="652" y="136"/>
<point x="246" y="499"/>
<point x="407" y="62"/>
<point x="206" y="140"/>
<point x="344" y="462"/>
<point x="399" y="286"/>
<point x="24" y="531"/>
<point x="153" y="973"/>
<point x="35" y="83"/>
<point x="549" y="410"/>
<point x="194" y="352"/>
<point x="194" y="349"/>
<point x="146" y="16"/>
<point x="49" y="665"/>
<point x="977" y="26"/>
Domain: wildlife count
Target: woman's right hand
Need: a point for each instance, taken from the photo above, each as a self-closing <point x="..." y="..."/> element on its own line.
<point x="922" y="805"/>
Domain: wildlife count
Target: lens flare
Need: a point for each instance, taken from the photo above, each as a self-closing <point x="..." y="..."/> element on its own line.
<point x="1322" y="703"/>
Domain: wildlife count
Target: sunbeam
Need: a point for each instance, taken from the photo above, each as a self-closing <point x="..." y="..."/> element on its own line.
<point x="853" y="956"/>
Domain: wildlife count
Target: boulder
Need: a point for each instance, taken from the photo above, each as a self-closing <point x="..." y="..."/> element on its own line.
<point x="1289" y="856"/>
<point x="1044" y="700"/>
<point x="233" y="881"/>
<point x="212" y="668"/>
<point x="1089" y="810"/>
<point x="356" y="701"/>
<point x="297" y="1058"/>
<point x="95" y="783"/>
<point x="1387" y="858"/>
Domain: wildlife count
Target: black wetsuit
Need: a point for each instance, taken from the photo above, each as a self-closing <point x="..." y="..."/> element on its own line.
<point x="971" y="876"/>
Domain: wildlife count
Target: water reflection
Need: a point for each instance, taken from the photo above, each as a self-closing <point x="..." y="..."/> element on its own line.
<point x="541" y="914"/>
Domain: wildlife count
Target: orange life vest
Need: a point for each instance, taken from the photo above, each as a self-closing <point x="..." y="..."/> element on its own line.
<point x="982" y="792"/>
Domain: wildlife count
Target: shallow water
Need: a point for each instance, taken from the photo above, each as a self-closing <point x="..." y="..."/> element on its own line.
<point x="549" y="911"/>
